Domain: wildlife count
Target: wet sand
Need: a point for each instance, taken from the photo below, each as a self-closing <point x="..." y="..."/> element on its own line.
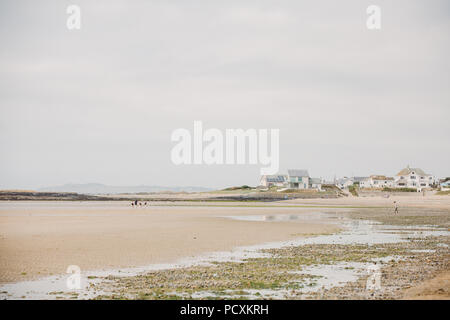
<point x="43" y="238"/>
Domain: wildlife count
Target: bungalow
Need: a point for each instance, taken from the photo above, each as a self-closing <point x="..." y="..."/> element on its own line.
<point x="414" y="178"/>
<point x="273" y="180"/>
<point x="377" y="181"/>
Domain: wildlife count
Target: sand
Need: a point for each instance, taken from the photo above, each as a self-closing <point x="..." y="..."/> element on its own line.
<point x="43" y="238"/>
<point x="437" y="288"/>
<point x="407" y="200"/>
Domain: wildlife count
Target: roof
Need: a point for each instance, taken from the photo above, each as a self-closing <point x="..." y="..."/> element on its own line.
<point x="408" y="170"/>
<point x="359" y="179"/>
<point x="275" y="178"/>
<point x="316" y="180"/>
<point x="298" y="173"/>
<point x="381" y="178"/>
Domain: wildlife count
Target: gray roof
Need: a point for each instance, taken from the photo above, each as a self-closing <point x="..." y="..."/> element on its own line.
<point x="359" y="179"/>
<point x="316" y="180"/>
<point x="275" y="178"/>
<point x="298" y="173"/>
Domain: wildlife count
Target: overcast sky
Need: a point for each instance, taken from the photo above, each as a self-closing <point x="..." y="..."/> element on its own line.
<point x="99" y="104"/>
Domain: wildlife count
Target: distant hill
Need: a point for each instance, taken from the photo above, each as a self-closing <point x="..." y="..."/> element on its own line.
<point x="98" y="188"/>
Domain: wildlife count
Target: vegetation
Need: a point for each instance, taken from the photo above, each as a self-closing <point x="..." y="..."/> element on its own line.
<point x="399" y="189"/>
<point x="443" y="193"/>
<point x="353" y="190"/>
<point x="299" y="191"/>
<point x="244" y="187"/>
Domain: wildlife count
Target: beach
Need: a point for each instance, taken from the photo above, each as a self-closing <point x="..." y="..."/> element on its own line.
<point x="43" y="238"/>
<point x="293" y="249"/>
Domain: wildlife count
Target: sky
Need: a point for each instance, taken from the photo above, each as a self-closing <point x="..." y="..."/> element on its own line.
<point x="99" y="104"/>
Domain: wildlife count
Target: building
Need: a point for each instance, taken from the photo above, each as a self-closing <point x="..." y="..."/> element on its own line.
<point x="298" y="179"/>
<point x="445" y="183"/>
<point x="316" y="183"/>
<point x="414" y="178"/>
<point x="344" y="182"/>
<point x="377" y="181"/>
<point x="273" y="180"/>
<point x="357" y="180"/>
<point x="295" y="179"/>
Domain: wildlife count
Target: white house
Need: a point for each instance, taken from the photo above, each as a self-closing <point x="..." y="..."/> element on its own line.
<point x="344" y="182"/>
<point x="377" y="181"/>
<point x="414" y="178"/>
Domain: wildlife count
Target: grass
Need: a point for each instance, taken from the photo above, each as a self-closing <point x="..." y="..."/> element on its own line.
<point x="443" y="193"/>
<point x="399" y="189"/>
<point x="353" y="190"/>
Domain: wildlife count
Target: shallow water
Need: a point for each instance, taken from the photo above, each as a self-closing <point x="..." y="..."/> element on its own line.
<point x="355" y="232"/>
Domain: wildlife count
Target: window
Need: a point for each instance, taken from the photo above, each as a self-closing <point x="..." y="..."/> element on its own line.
<point x="413" y="177"/>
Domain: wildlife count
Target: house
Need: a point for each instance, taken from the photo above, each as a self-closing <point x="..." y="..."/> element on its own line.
<point x="377" y="181"/>
<point x="316" y="183"/>
<point x="298" y="179"/>
<point x="357" y="180"/>
<point x="414" y="178"/>
<point x="344" y="183"/>
<point x="273" y="180"/>
<point x="445" y="183"/>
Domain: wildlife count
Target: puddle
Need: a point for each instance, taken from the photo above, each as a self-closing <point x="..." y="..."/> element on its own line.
<point x="279" y="217"/>
<point x="355" y="232"/>
<point x="318" y="277"/>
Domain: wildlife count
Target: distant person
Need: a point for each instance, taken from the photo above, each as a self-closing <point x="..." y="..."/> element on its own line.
<point x="132" y="204"/>
<point x="135" y="203"/>
<point x="145" y="204"/>
<point x="395" y="207"/>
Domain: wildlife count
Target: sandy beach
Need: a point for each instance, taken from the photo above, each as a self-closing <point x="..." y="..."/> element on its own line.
<point x="43" y="238"/>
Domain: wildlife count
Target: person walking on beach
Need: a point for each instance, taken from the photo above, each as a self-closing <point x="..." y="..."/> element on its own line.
<point x="395" y="207"/>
